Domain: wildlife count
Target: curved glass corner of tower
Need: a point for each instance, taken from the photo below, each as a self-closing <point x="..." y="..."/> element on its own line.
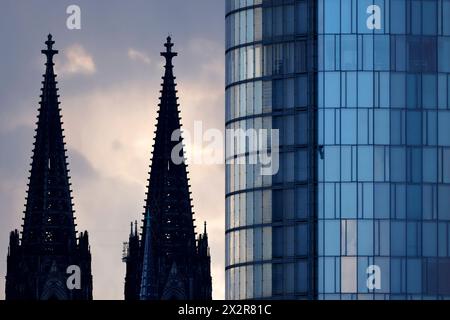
<point x="384" y="127"/>
<point x="270" y="85"/>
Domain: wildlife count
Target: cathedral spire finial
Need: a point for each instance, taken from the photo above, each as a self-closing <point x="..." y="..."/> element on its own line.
<point x="49" y="52"/>
<point x="168" y="54"/>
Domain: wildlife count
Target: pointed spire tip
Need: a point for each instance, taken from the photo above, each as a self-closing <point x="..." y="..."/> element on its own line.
<point x="169" y="54"/>
<point x="49" y="52"/>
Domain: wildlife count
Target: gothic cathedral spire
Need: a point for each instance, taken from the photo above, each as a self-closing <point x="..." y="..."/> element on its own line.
<point x="38" y="259"/>
<point x="170" y="263"/>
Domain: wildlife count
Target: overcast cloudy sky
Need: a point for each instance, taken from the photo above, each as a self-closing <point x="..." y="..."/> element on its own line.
<point x="109" y="75"/>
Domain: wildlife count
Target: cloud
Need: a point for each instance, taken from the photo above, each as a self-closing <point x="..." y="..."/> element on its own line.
<point x="211" y="52"/>
<point x="76" y="61"/>
<point x="137" y="55"/>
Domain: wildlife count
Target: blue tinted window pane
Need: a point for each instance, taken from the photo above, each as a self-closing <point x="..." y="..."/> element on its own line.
<point x="332" y="20"/>
<point x="363" y="126"/>
<point x="429" y="17"/>
<point x="346" y="16"/>
<point x="368" y="52"/>
<point x="429" y="91"/>
<point x="330" y="131"/>
<point x="396" y="127"/>
<point x="396" y="276"/>
<point x="330" y="47"/>
<point x="414" y="202"/>
<point x="332" y="243"/>
<point x="446" y="13"/>
<point x="412" y="239"/>
<point x="302" y="17"/>
<point x="444" y="128"/>
<point x="348" y="56"/>
<point x="398" y="11"/>
<point x="429" y="165"/>
<point x="346" y="164"/>
<point x="412" y="99"/>
<point x="428" y="202"/>
<point x="278" y="243"/>
<point x="414" y="276"/>
<point x="380" y="165"/>
<point x="351" y="89"/>
<point x="365" y="237"/>
<point x="444" y="202"/>
<point x="382" y="200"/>
<point x="413" y="128"/>
<point x="431" y="128"/>
<point x="301" y="167"/>
<point x="384" y="90"/>
<point x="348" y="127"/>
<point x="381" y="126"/>
<point x="398" y="239"/>
<point x="332" y="163"/>
<point x="301" y="240"/>
<point x="365" y="89"/>
<point x="446" y="165"/>
<point x="400" y="201"/>
<point x="365" y="163"/>
<point x="329" y="201"/>
<point x="442" y="91"/>
<point x="333" y="89"/>
<point x="398" y="90"/>
<point x="348" y="200"/>
<point x="367" y="201"/>
<point x="398" y="160"/>
<point x="381" y="59"/>
<point x="302" y="204"/>
<point x="429" y="239"/>
<point x="301" y="276"/>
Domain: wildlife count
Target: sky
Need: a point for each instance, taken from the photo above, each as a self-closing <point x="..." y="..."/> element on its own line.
<point x="109" y="76"/>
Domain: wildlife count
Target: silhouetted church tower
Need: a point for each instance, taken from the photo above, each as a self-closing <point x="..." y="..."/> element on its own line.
<point x="39" y="258"/>
<point x="168" y="261"/>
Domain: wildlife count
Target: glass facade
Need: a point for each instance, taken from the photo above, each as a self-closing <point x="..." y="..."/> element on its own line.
<point x="384" y="126"/>
<point x="360" y="91"/>
<point x="270" y="84"/>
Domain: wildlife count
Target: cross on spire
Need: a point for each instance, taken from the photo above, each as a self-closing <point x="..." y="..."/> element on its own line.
<point x="49" y="52"/>
<point x="169" y="54"/>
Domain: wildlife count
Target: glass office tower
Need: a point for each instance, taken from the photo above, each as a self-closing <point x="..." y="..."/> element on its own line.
<point x="270" y="84"/>
<point x="384" y="124"/>
<point x="360" y="91"/>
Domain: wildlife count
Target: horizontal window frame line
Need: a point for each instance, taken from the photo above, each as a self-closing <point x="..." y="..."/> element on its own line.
<point x="284" y="76"/>
<point x="236" y="83"/>
<point x="271" y="261"/>
<point x="243" y="45"/>
<point x="273" y="113"/>
<point x="254" y="6"/>
<point x="280" y="223"/>
<point x="271" y="187"/>
<point x="283" y="148"/>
